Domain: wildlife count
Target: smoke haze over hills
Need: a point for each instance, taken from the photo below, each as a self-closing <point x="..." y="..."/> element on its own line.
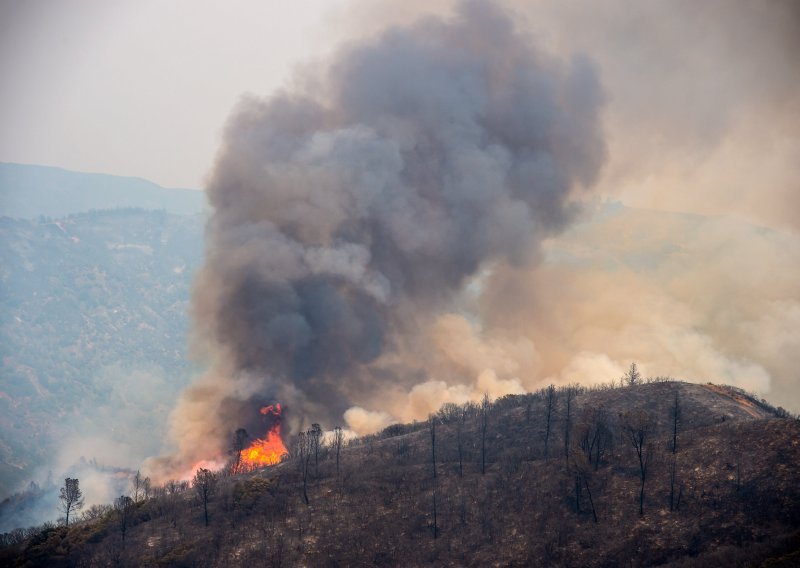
<point x="376" y="246"/>
<point x="461" y="198"/>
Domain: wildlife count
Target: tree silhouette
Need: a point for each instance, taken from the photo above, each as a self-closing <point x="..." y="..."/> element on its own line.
<point x="484" y="426"/>
<point x="550" y="403"/>
<point x="305" y="448"/>
<point x="123" y="505"/>
<point x="238" y="441"/>
<point x="675" y="414"/>
<point x="432" y="430"/>
<point x="71" y="497"/>
<point x="569" y="393"/>
<point x="637" y="427"/>
<point x="205" y="484"/>
<point x="315" y="438"/>
<point x="632" y="375"/>
<point x="338" y="439"/>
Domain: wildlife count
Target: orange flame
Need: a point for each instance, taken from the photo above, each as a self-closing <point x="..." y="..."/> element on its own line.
<point x="268" y="450"/>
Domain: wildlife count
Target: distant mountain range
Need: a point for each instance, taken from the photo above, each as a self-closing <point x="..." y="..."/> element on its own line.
<point x="28" y="191"/>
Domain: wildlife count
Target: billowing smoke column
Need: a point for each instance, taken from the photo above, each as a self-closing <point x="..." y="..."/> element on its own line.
<point x="349" y="211"/>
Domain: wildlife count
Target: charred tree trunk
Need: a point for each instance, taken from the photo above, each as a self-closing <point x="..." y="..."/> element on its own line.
<point x="591" y="501"/>
<point x="675" y="418"/>
<point x="484" y="426"/>
<point x="550" y="403"/>
<point x="570" y="394"/>
<point x="432" y="428"/>
<point x="637" y="427"/>
<point x="460" y="443"/>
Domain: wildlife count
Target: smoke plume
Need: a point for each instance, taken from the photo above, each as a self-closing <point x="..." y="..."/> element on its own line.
<point x="355" y="207"/>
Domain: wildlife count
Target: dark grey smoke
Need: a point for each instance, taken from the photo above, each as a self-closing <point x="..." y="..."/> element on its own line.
<point x="348" y="211"/>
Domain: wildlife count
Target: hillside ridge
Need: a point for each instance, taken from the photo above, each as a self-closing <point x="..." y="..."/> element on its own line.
<point x="727" y="494"/>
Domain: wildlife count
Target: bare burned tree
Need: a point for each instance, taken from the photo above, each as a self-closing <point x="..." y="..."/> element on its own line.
<point x="637" y="429"/>
<point x="304" y="451"/>
<point x="136" y="486"/>
<point x="594" y="435"/>
<point x="123" y="506"/>
<point x="315" y="437"/>
<point x="432" y="430"/>
<point x="569" y="394"/>
<point x="675" y="414"/>
<point x="71" y="497"/>
<point x="460" y="422"/>
<point x="141" y="487"/>
<point x="550" y="403"/>
<point x="337" y="441"/>
<point x="484" y="414"/>
<point x="205" y="484"/>
<point x="238" y="443"/>
<point x="582" y="469"/>
<point x="632" y="376"/>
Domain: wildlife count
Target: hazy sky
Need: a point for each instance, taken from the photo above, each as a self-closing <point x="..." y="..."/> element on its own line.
<point x="701" y="115"/>
<point x="141" y="88"/>
<point x="702" y="110"/>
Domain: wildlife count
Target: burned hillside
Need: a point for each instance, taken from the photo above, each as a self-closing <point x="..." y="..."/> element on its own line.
<point x="501" y="485"/>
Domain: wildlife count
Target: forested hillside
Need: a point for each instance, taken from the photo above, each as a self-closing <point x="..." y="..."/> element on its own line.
<point x="93" y="327"/>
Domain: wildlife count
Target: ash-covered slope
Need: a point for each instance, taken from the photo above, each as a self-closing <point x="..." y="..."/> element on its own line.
<point x="505" y="492"/>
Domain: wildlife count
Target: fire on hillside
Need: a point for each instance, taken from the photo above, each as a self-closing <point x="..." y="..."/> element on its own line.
<point x="270" y="449"/>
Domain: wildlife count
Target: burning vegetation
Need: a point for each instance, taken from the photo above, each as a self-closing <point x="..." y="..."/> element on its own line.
<point x="550" y="478"/>
<point x="346" y="219"/>
<point x="268" y="450"/>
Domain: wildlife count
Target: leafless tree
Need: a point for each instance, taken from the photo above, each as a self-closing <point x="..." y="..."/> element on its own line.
<point x="123" y="506"/>
<point x="632" y="376"/>
<point x="461" y="420"/>
<point x="569" y="393"/>
<point x="550" y="403"/>
<point x="205" y="484"/>
<point x="582" y="469"/>
<point x="637" y="429"/>
<point x="238" y="443"/>
<point x="432" y="430"/>
<point x="304" y="451"/>
<point x="338" y="440"/>
<point x="594" y="435"/>
<point x="675" y="414"/>
<point x="137" y="486"/>
<point x="484" y="414"/>
<point x="71" y="497"/>
<point x="315" y="437"/>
